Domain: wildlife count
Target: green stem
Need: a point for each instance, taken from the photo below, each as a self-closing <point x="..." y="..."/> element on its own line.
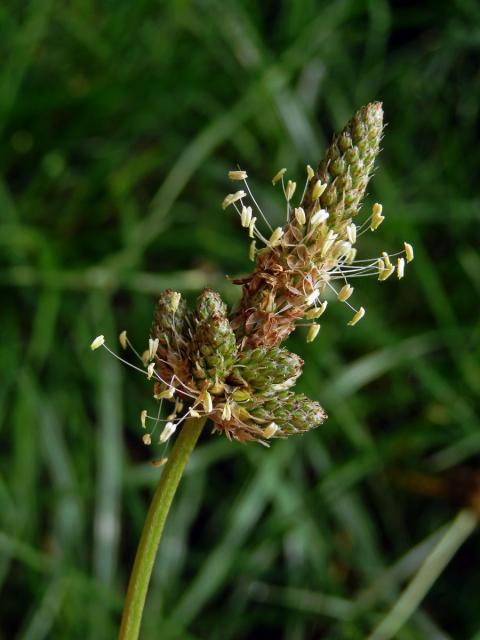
<point x="153" y="528"/>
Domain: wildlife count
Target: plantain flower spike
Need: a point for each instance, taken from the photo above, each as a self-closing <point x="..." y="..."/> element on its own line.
<point x="295" y="274"/>
<point x="232" y="368"/>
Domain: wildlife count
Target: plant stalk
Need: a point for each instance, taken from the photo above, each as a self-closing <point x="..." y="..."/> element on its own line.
<point x="153" y="528"/>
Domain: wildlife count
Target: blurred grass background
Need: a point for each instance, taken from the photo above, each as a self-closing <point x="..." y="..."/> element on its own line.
<point x="119" y="122"/>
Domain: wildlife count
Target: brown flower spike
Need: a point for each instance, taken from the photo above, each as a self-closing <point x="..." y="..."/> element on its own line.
<point x="233" y="369"/>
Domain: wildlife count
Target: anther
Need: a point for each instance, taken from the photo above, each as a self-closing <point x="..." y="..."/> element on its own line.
<point x="408" y="251"/>
<point x="122" y="338"/>
<point x="237" y="175"/>
<point x="232" y="197"/>
<point x="313" y="332"/>
<point x="345" y="293"/>
<point x="168" y="430"/>
<point x="290" y="190"/>
<point x="278" y="176"/>
<point x="357" y="317"/>
<point x="97" y="343"/>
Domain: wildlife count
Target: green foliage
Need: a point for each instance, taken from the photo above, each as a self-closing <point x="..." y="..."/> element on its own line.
<point x="119" y="123"/>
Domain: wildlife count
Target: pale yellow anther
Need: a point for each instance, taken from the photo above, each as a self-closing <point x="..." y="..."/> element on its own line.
<point x="341" y="248"/>
<point x="232" y="197"/>
<point x="328" y="243"/>
<point x="386" y="259"/>
<point x="352" y="233"/>
<point x="387" y="272"/>
<point x="400" y="268"/>
<point x="290" y="190"/>
<point x="159" y="463"/>
<point x="377" y="217"/>
<point x="168" y="430"/>
<point x="380" y="267"/>
<point x="408" y="251"/>
<point x="376" y="222"/>
<point x="310" y="172"/>
<point x="275" y="237"/>
<point x="345" y="293"/>
<point x="146" y="357"/>
<point x="300" y="216"/>
<point x="237" y="175"/>
<point x="319" y="216"/>
<point x="313" y="332"/>
<point x="172" y="416"/>
<point x="251" y="227"/>
<point x="270" y="430"/>
<point x="246" y="216"/>
<point x="279" y="175"/>
<point x="207" y="402"/>
<point x="150" y="370"/>
<point x="318" y="189"/>
<point x="313" y="314"/>
<point x="178" y="406"/>
<point x="97" y="343"/>
<point x="122" y="338"/>
<point x="175" y="301"/>
<point x="193" y="413"/>
<point x="253" y="250"/>
<point x="143" y="417"/>
<point x="351" y="255"/>
<point x="165" y="395"/>
<point x="147" y="439"/>
<point x="152" y="347"/>
<point x="310" y="299"/>
<point x="227" y="411"/>
<point x="357" y="317"/>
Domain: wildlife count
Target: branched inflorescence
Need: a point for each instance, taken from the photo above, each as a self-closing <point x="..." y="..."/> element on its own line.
<point x="232" y="368"/>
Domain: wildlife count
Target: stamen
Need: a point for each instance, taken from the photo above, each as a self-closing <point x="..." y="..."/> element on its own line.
<point x="270" y="430"/>
<point x="168" y="430"/>
<point x="275" y="237"/>
<point x="408" y="251"/>
<point x="147" y="439"/>
<point x="175" y="301"/>
<point x="357" y="317"/>
<point x="345" y="293"/>
<point x="313" y="332"/>
<point x="318" y="217"/>
<point x="312" y="297"/>
<point x="290" y="190"/>
<point x="232" y="197"/>
<point x="227" y="411"/>
<point x="237" y="175"/>
<point x="352" y="233"/>
<point x="252" y="251"/>
<point x="207" y="402"/>
<point x="165" y="395"/>
<point x="193" y="413"/>
<point x="143" y="417"/>
<point x="318" y="189"/>
<point x="377" y="217"/>
<point x="278" y="176"/>
<point x="97" y="343"/>
<point x="313" y="314"/>
<point x="300" y="216"/>
<point x="251" y="227"/>
<point x="246" y="216"/>
<point x="122" y="338"/>
<point x="152" y="347"/>
<point x="150" y="370"/>
<point x="310" y="172"/>
<point x="400" y="268"/>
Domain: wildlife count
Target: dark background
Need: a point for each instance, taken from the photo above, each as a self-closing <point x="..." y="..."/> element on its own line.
<point x="119" y="121"/>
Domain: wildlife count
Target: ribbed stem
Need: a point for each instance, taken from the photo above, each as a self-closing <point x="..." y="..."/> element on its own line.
<point x="153" y="528"/>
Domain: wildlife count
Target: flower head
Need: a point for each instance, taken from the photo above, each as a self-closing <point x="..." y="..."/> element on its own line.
<point x="232" y="368"/>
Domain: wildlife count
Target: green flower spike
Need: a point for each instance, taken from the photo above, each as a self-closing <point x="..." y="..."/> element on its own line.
<point x="213" y="348"/>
